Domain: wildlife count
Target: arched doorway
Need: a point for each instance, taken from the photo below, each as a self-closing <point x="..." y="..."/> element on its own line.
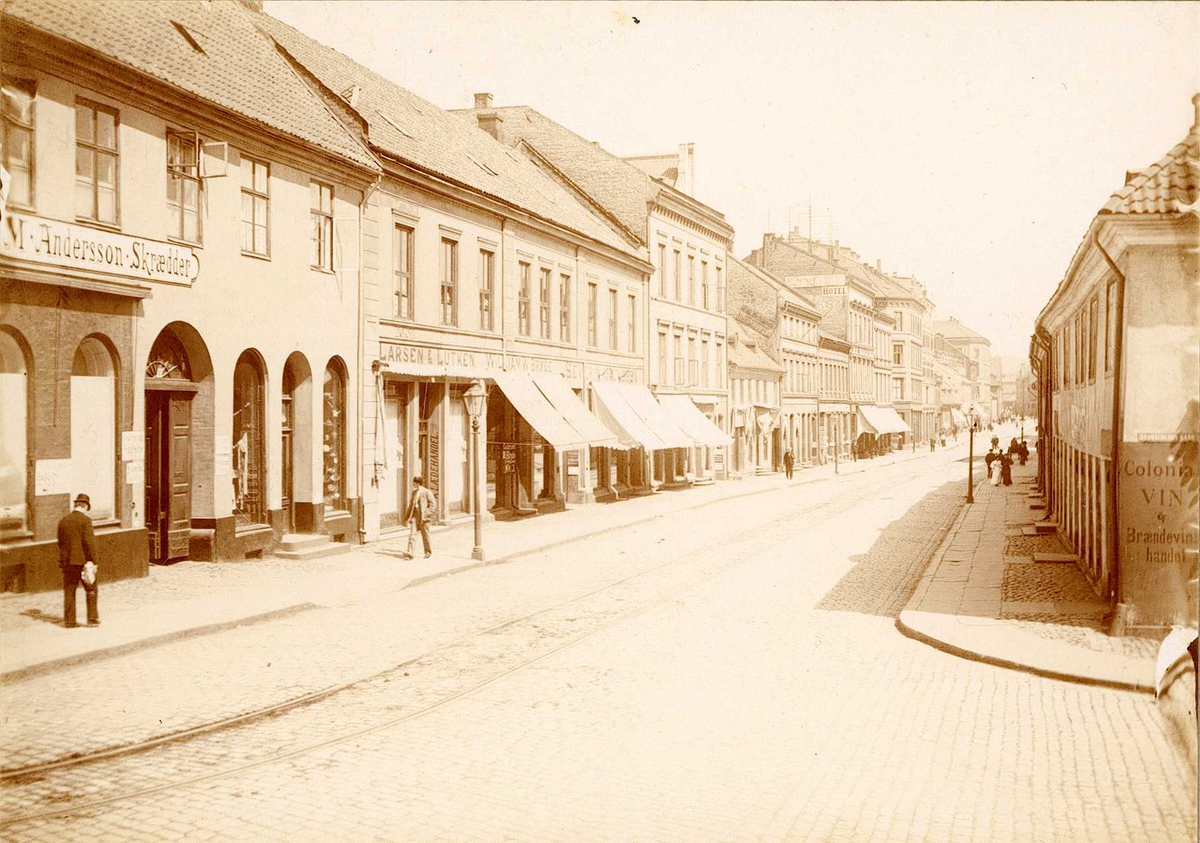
<point x="249" y="432"/>
<point x="179" y="443"/>
<point x="295" y="463"/>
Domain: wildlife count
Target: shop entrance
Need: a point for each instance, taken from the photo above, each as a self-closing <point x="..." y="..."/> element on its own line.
<point x="168" y="473"/>
<point x="393" y="483"/>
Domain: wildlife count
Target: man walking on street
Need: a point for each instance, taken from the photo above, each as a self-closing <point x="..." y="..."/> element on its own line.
<point x="77" y="549"/>
<point x="789" y="462"/>
<point x="422" y="508"/>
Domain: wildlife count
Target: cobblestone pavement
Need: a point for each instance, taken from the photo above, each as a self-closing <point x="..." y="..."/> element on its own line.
<point x="696" y="691"/>
<point x="193" y="682"/>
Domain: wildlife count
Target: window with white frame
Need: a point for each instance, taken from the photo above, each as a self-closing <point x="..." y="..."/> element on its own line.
<point x="96" y="162"/>
<point x="487" y="284"/>
<point x="449" y="282"/>
<point x="321" y="214"/>
<point x="631" y="344"/>
<point x="612" y="319"/>
<point x="16" y="116"/>
<point x="183" y="186"/>
<point x="523" y="295"/>
<point x="544" y="294"/>
<point x="564" y="307"/>
<point x="256" y="207"/>
<point x="402" y="272"/>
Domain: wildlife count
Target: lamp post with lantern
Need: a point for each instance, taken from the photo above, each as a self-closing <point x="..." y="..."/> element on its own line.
<point x="972" y="426"/>
<point x="474" y="398"/>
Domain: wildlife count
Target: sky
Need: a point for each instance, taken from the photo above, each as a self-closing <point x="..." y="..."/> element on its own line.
<point x="969" y="145"/>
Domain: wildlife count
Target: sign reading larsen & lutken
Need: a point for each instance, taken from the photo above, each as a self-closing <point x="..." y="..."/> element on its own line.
<point x="68" y="245"/>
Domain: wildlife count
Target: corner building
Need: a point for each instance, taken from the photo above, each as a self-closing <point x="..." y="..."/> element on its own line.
<point x="179" y="206"/>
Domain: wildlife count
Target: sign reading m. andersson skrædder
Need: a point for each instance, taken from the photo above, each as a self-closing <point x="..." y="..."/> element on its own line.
<point x="55" y="243"/>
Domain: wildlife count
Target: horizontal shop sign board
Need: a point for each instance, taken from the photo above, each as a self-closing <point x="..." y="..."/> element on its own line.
<point x="66" y="245"/>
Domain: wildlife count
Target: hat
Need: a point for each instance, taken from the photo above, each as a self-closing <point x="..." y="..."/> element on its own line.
<point x="83" y="499"/>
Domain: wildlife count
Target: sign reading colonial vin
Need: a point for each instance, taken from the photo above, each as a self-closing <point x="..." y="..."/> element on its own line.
<point x="70" y="245"/>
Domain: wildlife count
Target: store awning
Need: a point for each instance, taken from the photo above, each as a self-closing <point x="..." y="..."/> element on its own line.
<point x="559" y="393"/>
<point x="892" y="421"/>
<point x="542" y="416"/>
<point x="872" y="419"/>
<point x="957" y="417"/>
<point x="639" y="421"/>
<point x="692" y="421"/>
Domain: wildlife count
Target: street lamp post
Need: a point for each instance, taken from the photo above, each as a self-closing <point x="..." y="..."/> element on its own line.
<point x="474" y="398"/>
<point x="972" y="424"/>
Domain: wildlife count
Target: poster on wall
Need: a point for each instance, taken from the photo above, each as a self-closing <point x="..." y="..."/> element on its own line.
<point x="1158" y="531"/>
<point x="53" y="477"/>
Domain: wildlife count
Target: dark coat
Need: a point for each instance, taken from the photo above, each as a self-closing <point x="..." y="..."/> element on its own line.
<point x="76" y="540"/>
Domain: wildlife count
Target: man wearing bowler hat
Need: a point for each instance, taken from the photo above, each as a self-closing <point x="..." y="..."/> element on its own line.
<point x="76" y="547"/>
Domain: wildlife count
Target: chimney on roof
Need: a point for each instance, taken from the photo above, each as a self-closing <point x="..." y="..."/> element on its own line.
<point x="253" y="5"/>
<point x="1196" y="116"/>
<point x="483" y="100"/>
<point x="685" y="182"/>
<point x="879" y="266"/>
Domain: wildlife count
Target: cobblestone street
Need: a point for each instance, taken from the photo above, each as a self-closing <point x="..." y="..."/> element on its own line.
<point x="729" y="673"/>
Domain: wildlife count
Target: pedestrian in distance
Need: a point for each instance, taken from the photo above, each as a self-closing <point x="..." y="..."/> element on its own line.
<point x="77" y="560"/>
<point x="1023" y="452"/>
<point x="1006" y="461"/>
<point x="789" y="462"/>
<point x="422" y="508"/>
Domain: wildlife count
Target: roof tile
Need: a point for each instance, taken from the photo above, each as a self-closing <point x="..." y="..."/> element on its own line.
<point x="406" y="127"/>
<point x="235" y="68"/>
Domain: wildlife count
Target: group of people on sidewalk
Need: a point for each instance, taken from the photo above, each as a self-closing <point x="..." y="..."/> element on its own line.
<point x="999" y="462"/>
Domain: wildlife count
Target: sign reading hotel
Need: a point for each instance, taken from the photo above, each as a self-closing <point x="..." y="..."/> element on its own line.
<point x="71" y="246"/>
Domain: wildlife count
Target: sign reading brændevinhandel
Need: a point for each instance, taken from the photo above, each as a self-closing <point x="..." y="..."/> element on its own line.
<point x="65" y="245"/>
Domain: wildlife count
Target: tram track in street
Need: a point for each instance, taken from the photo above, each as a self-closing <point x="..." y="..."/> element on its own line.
<point x="761" y="538"/>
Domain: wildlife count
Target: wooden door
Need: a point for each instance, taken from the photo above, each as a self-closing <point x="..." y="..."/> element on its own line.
<point x="179" y="474"/>
<point x="156" y="516"/>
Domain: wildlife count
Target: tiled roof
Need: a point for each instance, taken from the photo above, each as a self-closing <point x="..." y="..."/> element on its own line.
<point x="1169" y="186"/>
<point x="620" y="188"/>
<point x="404" y="126"/>
<point x="235" y="68"/>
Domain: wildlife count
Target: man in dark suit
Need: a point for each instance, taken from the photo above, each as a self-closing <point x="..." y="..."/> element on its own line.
<point x="76" y="547"/>
<point x="421" y="507"/>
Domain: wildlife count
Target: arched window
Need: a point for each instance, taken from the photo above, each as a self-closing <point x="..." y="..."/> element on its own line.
<point x="94" y="427"/>
<point x="14" y="435"/>
<point x="249" y="488"/>
<point x="333" y="433"/>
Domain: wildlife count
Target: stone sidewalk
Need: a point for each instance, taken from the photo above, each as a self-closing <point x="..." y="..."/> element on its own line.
<point x="197" y="598"/>
<point x="984" y="597"/>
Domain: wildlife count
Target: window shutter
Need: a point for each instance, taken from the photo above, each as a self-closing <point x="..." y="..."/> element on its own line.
<point x="214" y="159"/>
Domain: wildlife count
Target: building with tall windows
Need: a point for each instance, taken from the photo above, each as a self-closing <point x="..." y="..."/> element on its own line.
<point x="479" y="267"/>
<point x="650" y="202"/>
<point x="783" y="324"/>
<point x="178" y="202"/>
<point x="846" y="294"/>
